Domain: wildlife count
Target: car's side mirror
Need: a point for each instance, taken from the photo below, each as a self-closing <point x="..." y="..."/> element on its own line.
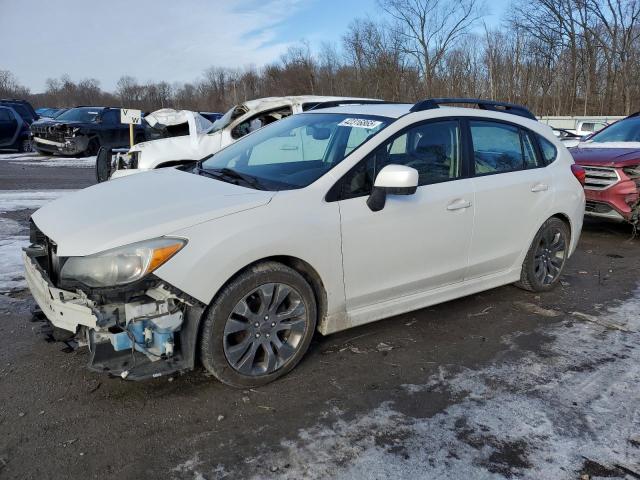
<point x="394" y="180"/>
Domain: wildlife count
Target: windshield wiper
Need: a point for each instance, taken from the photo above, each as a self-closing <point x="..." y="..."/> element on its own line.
<point x="229" y="174"/>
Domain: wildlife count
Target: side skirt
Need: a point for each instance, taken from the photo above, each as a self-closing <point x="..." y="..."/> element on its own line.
<point x="416" y="301"/>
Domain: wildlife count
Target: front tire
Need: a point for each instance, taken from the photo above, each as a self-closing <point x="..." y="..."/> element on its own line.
<point x="92" y="149"/>
<point x="26" y="146"/>
<point x="104" y="168"/>
<point x="545" y="260"/>
<point x="259" y="326"/>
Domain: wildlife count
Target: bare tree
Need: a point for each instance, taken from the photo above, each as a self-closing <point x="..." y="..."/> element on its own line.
<point x="9" y="86"/>
<point x="431" y="27"/>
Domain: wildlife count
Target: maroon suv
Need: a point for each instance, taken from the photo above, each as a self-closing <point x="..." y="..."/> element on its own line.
<point x="611" y="159"/>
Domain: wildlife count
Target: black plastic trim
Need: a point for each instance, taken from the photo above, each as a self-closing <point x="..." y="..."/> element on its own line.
<point x="492" y="105"/>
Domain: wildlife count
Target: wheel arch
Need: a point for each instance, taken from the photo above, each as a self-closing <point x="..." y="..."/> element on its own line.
<point x="559" y="215"/>
<point x="566" y="219"/>
<point x="308" y="272"/>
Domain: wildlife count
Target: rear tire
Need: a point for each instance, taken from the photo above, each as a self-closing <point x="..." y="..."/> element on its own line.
<point x="259" y="326"/>
<point x="547" y="255"/>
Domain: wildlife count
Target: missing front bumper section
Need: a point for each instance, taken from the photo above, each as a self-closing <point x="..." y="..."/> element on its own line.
<point x="134" y="364"/>
<point x="145" y="334"/>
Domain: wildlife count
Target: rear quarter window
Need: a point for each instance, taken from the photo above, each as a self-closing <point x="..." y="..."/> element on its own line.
<point x="548" y="149"/>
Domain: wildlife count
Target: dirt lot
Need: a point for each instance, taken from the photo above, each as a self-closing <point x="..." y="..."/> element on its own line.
<point x="504" y="384"/>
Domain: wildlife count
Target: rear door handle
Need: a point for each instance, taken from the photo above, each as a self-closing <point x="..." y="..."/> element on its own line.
<point x="459" y="204"/>
<point x="540" y="187"/>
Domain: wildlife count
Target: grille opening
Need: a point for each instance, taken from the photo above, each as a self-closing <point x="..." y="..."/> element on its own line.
<point x="599" y="178"/>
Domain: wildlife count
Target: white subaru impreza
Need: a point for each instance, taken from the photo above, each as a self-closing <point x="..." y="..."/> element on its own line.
<point x="236" y="261"/>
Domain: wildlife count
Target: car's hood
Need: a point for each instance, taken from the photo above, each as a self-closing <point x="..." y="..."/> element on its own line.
<point x="139" y="207"/>
<point x="168" y="117"/>
<point x="605" y="155"/>
<point x="187" y="147"/>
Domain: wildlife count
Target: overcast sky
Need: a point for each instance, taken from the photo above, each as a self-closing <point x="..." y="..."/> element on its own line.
<point x="167" y="40"/>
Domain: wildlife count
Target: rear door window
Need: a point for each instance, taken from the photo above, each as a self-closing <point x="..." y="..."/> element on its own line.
<point x="500" y="148"/>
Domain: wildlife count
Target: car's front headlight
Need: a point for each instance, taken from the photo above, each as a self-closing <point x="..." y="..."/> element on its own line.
<point x="121" y="265"/>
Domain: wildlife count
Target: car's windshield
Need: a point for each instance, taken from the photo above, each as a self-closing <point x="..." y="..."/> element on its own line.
<point x="627" y="130"/>
<point x="296" y="151"/>
<point x="81" y="114"/>
<point x="222" y="121"/>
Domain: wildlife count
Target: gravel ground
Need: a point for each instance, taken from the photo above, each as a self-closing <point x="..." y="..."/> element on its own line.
<point x="503" y="384"/>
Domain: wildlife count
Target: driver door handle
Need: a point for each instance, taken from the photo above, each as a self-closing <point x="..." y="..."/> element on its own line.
<point x="540" y="187"/>
<point x="459" y="204"/>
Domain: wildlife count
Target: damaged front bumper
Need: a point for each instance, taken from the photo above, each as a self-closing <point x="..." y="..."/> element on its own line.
<point x="144" y="333"/>
<point x="116" y="162"/>
<point x="68" y="146"/>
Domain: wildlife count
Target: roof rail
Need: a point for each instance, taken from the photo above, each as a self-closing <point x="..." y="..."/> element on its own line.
<point x="346" y="102"/>
<point x="492" y="105"/>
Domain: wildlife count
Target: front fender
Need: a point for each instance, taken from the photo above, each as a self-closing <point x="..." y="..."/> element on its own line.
<point x="218" y="249"/>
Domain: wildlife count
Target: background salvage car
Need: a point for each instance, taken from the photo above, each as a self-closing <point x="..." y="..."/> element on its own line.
<point x="81" y="131"/>
<point x="236" y="123"/>
<point x="14" y="131"/>
<point x="24" y="109"/>
<point x="397" y="207"/>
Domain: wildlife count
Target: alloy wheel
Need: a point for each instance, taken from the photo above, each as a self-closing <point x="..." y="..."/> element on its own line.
<point x="265" y="329"/>
<point x="550" y="255"/>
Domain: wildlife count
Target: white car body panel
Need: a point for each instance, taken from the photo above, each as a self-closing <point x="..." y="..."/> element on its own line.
<point x="502" y="227"/>
<point x="413" y="253"/>
<point x="405" y="254"/>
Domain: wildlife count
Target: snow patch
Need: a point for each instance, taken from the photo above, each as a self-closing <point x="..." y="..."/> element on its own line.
<point x="536" y="417"/>
<point x="12" y="237"/>
<point x="49" y="161"/>
<point x="11" y="244"/>
<point x="13" y="200"/>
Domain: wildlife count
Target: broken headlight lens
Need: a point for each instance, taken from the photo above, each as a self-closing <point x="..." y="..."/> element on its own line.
<point x="121" y="265"/>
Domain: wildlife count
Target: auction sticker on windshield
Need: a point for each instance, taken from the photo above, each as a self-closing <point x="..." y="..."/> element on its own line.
<point x="360" y="123"/>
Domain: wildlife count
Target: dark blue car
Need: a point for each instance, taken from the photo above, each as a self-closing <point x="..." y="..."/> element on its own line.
<point x="14" y="131"/>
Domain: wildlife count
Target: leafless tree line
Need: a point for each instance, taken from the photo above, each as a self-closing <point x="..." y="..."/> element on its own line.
<point x="555" y="56"/>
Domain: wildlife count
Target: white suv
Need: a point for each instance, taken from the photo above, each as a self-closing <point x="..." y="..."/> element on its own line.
<point x="239" y="259"/>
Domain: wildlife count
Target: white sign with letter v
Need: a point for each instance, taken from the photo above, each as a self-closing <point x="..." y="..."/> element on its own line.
<point x="133" y="117"/>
